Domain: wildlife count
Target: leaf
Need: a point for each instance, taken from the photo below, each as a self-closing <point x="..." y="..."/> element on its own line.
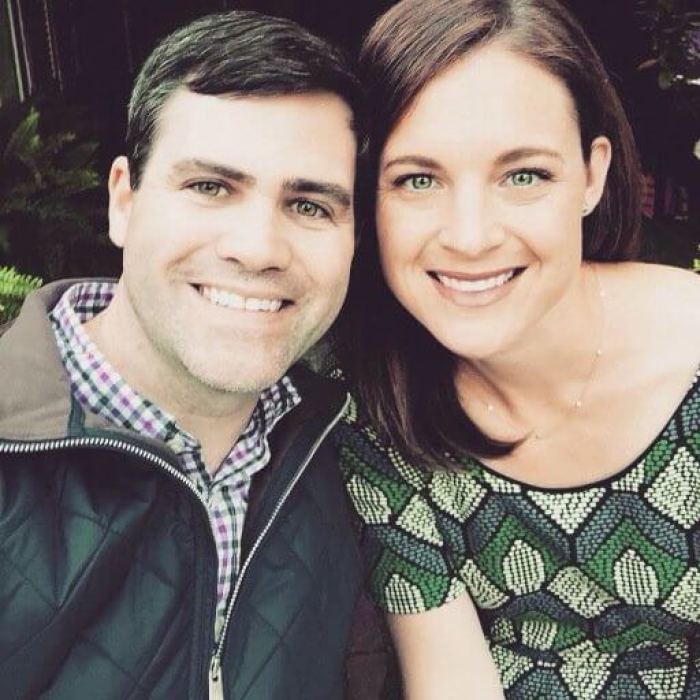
<point x="79" y="155"/>
<point x="55" y="142"/>
<point x="648" y="63"/>
<point x="25" y="138"/>
<point x="666" y="79"/>
<point x="13" y="288"/>
<point x="47" y="177"/>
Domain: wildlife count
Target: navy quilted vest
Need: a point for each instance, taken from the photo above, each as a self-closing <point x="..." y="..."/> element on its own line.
<point x="108" y="568"/>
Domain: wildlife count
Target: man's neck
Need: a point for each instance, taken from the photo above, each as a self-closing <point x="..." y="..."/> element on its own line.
<point x="217" y="434"/>
<point x="215" y="418"/>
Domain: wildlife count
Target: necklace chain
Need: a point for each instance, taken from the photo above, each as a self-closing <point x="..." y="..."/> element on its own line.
<point x="578" y="402"/>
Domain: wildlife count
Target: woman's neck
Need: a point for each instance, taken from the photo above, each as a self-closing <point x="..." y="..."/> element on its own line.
<point x="550" y="370"/>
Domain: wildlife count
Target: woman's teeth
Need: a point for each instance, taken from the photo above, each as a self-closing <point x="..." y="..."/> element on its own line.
<point x="478" y="285"/>
<point x="221" y="297"/>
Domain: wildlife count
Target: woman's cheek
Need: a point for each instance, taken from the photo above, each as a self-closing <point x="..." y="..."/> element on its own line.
<point x="405" y="221"/>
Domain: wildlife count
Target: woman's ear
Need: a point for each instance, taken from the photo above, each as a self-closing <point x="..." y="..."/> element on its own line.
<point x="597" y="172"/>
<point x="120" y="200"/>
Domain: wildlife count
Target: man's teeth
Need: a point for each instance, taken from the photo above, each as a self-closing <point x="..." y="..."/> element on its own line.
<point x="221" y="297"/>
<point x="480" y="285"/>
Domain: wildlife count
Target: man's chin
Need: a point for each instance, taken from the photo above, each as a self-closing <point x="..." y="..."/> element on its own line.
<point x="240" y="379"/>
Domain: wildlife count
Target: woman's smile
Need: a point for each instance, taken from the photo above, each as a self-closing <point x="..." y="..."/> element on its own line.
<point x="475" y="289"/>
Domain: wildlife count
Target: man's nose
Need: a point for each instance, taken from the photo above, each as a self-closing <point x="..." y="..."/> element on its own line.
<point x="254" y="236"/>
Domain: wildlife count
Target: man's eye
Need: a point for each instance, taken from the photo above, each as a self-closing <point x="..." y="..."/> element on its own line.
<point x="416" y="182"/>
<point x="527" y="178"/>
<point x="207" y="188"/>
<point x="309" y="209"/>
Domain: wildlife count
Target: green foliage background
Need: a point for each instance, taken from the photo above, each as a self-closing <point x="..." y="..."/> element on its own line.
<point x="13" y="288"/>
<point x="52" y="211"/>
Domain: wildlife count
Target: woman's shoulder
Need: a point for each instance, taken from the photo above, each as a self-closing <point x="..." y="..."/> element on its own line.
<point x="674" y="302"/>
<point x="378" y="474"/>
<point x="368" y="456"/>
<point x="655" y="304"/>
<point x="653" y="336"/>
<point x="672" y="280"/>
<point x="663" y="287"/>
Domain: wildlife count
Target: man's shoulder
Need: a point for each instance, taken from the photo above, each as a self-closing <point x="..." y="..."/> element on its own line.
<point x="315" y="384"/>
<point x="321" y="359"/>
<point x="4" y="327"/>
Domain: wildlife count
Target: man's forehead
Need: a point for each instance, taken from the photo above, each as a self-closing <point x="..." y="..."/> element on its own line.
<point x="246" y="132"/>
<point x="183" y="105"/>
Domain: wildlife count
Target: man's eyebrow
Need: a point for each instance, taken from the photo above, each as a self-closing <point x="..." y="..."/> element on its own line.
<point x="420" y="161"/>
<point x="340" y="194"/>
<point x="527" y="152"/>
<point x="191" y="165"/>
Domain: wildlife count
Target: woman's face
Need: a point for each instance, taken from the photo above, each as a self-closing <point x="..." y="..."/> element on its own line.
<point x="482" y="187"/>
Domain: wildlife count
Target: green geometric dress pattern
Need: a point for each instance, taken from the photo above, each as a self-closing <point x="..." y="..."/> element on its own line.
<point x="588" y="593"/>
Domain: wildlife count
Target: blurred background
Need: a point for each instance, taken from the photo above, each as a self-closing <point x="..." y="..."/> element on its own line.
<point x="66" y="67"/>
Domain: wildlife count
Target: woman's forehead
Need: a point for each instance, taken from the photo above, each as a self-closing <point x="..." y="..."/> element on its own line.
<point x="492" y="96"/>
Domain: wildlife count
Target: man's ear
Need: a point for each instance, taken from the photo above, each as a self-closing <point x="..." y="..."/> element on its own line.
<point x="597" y="171"/>
<point x="120" y="200"/>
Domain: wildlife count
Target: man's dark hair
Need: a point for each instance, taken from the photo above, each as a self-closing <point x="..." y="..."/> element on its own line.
<point x="236" y="53"/>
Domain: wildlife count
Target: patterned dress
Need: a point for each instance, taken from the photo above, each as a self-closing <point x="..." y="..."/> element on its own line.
<point x="583" y="593"/>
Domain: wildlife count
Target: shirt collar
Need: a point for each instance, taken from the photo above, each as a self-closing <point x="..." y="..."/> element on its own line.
<point x="100" y="389"/>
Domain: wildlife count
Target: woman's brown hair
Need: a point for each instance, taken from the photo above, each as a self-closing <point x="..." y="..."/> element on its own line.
<point x="401" y="375"/>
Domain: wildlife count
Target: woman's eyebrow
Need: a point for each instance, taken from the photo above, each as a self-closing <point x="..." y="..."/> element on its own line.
<point x="527" y="152"/>
<point x="420" y="161"/>
<point x="504" y="159"/>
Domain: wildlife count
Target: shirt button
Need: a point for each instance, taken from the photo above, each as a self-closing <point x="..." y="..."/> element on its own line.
<point x="177" y="444"/>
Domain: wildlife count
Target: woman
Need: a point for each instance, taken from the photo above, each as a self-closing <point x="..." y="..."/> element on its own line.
<point x="525" y="455"/>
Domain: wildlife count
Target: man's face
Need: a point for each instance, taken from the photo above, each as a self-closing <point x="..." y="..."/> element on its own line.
<point x="238" y="242"/>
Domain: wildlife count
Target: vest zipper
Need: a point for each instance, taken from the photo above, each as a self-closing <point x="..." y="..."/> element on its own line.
<point x="216" y="686"/>
<point x="120" y="445"/>
<point x="215" y="675"/>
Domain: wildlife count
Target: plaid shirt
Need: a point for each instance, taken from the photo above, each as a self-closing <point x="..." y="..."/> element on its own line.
<point x="99" y="389"/>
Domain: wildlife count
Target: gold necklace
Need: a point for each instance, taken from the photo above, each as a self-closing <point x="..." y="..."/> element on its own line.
<point x="578" y="402"/>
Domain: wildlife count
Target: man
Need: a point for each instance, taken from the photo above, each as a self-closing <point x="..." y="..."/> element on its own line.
<point x="172" y="522"/>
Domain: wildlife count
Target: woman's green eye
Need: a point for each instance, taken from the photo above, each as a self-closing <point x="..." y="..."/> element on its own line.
<point x="523" y="178"/>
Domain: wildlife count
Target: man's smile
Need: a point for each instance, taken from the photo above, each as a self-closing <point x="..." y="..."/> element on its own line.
<point x="231" y="300"/>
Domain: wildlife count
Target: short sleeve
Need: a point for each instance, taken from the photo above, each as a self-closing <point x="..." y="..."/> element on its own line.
<point x="409" y="567"/>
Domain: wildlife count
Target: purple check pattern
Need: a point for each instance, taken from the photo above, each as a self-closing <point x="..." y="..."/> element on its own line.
<point x="99" y="388"/>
